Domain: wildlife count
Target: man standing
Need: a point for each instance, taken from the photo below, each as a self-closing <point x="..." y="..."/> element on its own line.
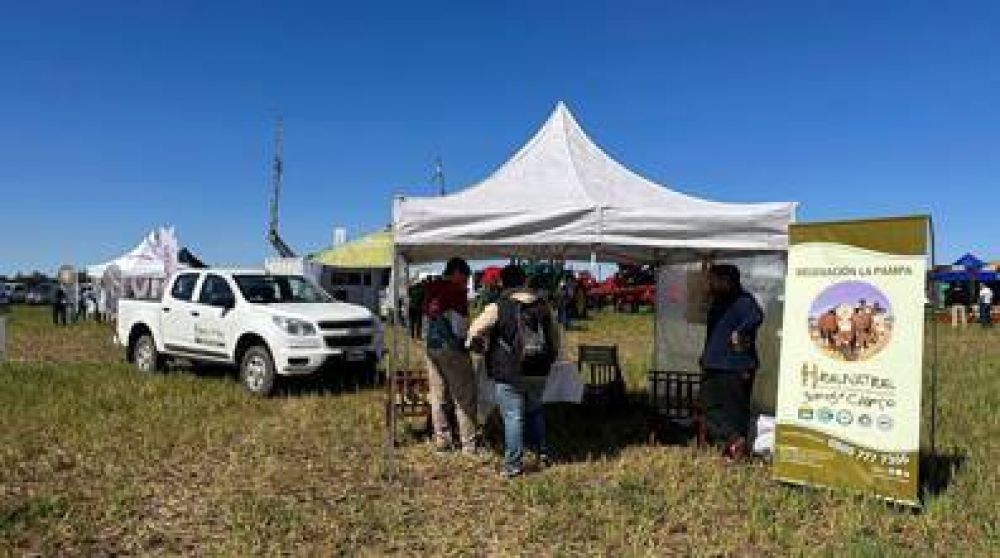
<point x="59" y="303"/>
<point x="414" y="315"/>
<point x="729" y="360"/>
<point x="521" y="343"/>
<point x="985" y="305"/>
<point x="957" y="301"/>
<point x="449" y="367"/>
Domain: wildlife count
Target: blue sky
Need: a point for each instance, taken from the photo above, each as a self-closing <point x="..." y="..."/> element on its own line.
<point x="118" y="116"/>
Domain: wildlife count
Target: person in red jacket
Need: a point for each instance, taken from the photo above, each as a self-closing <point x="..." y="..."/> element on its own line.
<point x="451" y="376"/>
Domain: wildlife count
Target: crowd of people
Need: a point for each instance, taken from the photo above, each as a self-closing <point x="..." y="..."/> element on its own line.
<point x="84" y="305"/>
<point x="516" y="339"/>
<point x="959" y="301"/>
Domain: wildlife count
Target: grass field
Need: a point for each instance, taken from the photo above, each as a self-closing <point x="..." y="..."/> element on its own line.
<point x="95" y="459"/>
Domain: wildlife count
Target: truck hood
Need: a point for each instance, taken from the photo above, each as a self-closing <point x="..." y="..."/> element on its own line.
<point x="326" y="311"/>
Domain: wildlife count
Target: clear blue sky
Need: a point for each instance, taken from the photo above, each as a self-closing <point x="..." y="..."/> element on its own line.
<point x="118" y="116"/>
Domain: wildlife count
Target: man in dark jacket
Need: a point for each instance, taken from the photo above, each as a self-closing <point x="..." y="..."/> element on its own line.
<point x="59" y="302"/>
<point x="729" y="360"/>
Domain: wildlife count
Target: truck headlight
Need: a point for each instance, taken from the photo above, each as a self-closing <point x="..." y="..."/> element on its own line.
<point x="292" y="326"/>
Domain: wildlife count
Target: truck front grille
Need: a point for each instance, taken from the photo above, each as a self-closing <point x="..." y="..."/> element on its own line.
<point x="346" y="324"/>
<point x="347" y="341"/>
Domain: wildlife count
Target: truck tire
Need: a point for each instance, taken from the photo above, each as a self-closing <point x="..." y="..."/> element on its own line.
<point x="145" y="356"/>
<point x="257" y="372"/>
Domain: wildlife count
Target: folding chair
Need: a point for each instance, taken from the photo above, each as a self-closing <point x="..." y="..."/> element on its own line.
<point x="603" y="381"/>
<point x="674" y="397"/>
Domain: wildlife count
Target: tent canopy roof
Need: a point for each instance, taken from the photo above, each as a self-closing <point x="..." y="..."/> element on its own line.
<point x="561" y="195"/>
<point x="370" y="251"/>
<point x="156" y="255"/>
<point x="970" y="261"/>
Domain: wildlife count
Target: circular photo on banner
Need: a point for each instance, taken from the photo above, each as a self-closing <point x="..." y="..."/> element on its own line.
<point x="851" y="320"/>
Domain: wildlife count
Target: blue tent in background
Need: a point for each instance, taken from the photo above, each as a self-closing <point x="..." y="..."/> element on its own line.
<point x="966" y="268"/>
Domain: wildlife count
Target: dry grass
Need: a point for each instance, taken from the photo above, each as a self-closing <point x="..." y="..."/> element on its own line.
<point x="97" y="460"/>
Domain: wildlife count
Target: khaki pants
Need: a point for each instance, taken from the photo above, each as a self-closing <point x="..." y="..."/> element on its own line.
<point x="451" y="377"/>
<point x="959" y="315"/>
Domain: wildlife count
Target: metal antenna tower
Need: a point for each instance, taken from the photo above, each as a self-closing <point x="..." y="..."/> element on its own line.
<point x="277" y="176"/>
<point x="438" y="178"/>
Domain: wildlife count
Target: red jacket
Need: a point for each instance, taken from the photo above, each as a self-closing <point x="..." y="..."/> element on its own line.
<point x="442" y="295"/>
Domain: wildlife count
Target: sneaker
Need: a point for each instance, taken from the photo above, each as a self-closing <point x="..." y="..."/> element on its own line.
<point x="443" y="447"/>
<point x="508" y="474"/>
<point x="736" y="450"/>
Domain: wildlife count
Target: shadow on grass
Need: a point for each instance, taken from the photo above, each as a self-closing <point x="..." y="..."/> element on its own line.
<point x="294" y="386"/>
<point x="938" y="470"/>
<point x="578" y="433"/>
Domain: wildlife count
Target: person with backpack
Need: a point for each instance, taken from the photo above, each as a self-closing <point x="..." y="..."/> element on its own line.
<point x="729" y="360"/>
<point x="520" y="341"/>
<point x="451" y="378"/>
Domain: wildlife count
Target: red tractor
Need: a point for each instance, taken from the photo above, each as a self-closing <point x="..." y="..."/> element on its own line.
<point x="631" y="288"/>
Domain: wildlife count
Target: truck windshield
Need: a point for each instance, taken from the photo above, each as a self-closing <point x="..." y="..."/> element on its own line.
<point x="270" y="289"/>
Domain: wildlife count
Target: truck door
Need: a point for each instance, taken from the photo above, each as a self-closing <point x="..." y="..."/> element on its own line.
<point x="177" y="322"/>
<point x="214" y="331"/>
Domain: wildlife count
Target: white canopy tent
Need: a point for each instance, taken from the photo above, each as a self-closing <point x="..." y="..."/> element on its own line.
<point x="155" y="256"/>
<point x="561" y="196"/>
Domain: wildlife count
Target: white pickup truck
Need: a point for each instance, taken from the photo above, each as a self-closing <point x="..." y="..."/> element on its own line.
<point x="267" y="325"/>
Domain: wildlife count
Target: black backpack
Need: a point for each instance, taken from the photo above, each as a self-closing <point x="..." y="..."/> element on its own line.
<point x="522" y="341"/>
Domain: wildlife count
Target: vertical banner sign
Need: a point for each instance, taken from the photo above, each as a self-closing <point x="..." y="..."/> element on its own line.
<point x="848" y="413"/>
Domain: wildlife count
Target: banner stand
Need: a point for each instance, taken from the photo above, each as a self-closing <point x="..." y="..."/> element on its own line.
<point x="934" y="343"/>
<point x="851" y="382"/>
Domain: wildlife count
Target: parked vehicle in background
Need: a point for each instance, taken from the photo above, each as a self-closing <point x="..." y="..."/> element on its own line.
<point x="18" y="293"/>
<point x="266" y="325"/>
<point x="44" y="293"/>
<point x="5" y="292"/>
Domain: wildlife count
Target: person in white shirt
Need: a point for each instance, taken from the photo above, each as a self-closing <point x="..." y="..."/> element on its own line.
<point x="985" y="305"/>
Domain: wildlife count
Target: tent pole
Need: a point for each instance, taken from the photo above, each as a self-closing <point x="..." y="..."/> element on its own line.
<point x="393" y="372"/>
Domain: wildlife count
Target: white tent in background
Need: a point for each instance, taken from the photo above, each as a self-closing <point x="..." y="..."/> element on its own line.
<point x="561" y="196"/>
<point x="155" y="256"/>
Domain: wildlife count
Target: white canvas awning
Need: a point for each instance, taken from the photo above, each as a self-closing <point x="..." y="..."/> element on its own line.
<point x="561" y="196"/>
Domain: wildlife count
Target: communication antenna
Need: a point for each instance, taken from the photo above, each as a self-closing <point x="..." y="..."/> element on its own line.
<point x="277" y="176"/>
<point x="437" y="179"/>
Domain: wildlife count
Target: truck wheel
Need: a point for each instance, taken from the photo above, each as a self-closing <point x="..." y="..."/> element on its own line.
<point x="257" y="371"/>
<point x="145" y="356"/>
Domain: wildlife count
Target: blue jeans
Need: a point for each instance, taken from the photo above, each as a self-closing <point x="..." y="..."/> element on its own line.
<point x="523" y="421"/>
<point x="985" y="316"/>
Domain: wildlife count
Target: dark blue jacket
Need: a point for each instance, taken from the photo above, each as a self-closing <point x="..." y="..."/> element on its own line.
<point x="742" y="314"/>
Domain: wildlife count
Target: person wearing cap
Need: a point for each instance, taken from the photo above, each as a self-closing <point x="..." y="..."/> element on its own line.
<point x="450" y="373"/>
<point x="729" y="360"/>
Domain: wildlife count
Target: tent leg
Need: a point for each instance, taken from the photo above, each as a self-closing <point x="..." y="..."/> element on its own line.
<point x="392" y="372"/>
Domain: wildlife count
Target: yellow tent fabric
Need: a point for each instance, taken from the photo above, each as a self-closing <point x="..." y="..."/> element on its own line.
<point x="371" y="251"/>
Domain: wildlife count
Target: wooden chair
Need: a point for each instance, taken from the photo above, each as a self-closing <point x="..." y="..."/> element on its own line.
<point x="409" y="399"/>
<point x="602" y="374"/>
<point x="674" y="397"/>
